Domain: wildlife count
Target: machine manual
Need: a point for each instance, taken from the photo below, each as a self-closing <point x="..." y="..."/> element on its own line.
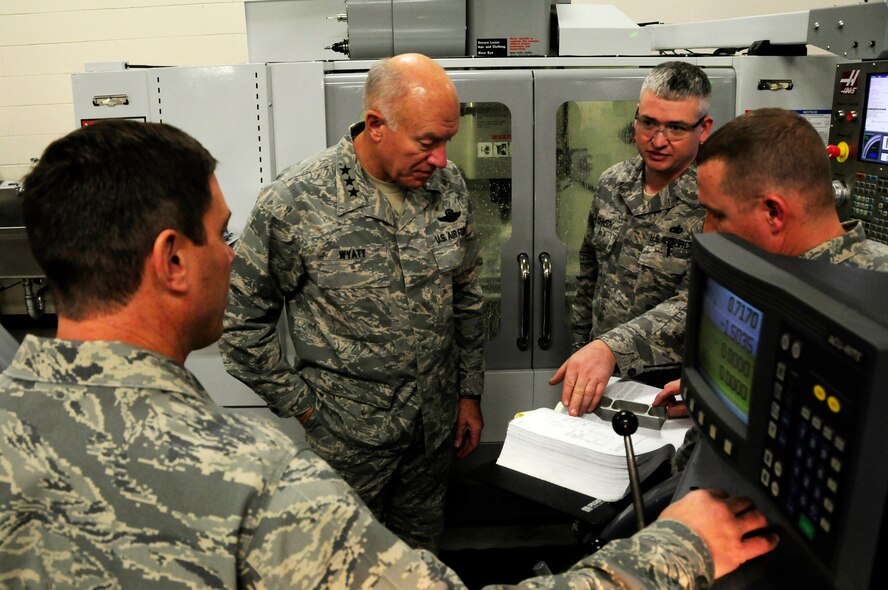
<point x="585" y="454"/>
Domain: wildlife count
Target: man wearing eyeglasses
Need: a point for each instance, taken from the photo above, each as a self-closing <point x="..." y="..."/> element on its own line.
<point x="634" y="258"/>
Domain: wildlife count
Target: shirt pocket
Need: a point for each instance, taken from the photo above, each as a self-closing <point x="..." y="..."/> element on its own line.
<point x="670" y="257"/>
<point x="449" y="256"/>
<point x="604" y="239"/>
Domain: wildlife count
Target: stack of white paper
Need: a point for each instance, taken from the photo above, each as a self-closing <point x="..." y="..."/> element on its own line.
<point x="585" y="454"/>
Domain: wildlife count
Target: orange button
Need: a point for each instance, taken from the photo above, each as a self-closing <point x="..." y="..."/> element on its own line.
<point x="819" y="392"/>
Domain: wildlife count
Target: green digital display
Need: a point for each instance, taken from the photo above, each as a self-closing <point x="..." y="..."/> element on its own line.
<point x="727" y="344"/>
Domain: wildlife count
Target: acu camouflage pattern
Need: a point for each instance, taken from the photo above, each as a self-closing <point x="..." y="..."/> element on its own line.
<point x="850" y="249"/>
<point x="633" y="281"/>
<point x="118" y="471"/>
<point x="384" y="312"/>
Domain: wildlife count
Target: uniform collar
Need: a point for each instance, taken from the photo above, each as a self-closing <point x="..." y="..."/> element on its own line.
<point x="840" y="248"/>
<point x="683" y="188"/>
<point x="356" y="190"/>
<point x="100" y="363"/>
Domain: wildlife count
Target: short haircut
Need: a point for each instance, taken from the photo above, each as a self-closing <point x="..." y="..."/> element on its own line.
<point x="679" y="80"/>
<point x="97" y="199"/>
<point x="767" y="150"/>
<point x="390" y="83"/>
<point x="386" y="84"/>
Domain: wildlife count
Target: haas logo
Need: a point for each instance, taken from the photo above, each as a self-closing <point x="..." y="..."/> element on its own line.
<point x="848" y="82"/>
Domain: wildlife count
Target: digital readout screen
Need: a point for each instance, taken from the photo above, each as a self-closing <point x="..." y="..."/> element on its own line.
<point x="727" y="345"/>
<point x="874" y="138"/>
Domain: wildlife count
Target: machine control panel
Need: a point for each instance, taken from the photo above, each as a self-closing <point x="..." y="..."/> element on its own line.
<point x="858" y="143"/>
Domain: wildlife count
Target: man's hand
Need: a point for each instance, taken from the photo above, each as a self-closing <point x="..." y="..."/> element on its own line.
<point x="674" y="408"/>
<point x="722" y="521"/>
<point x="468" y="427"/>
<point x="585" y="375"/>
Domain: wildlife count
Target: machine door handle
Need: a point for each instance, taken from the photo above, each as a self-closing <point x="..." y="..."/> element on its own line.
<point x="524" y="300"/>
<point x="545" y="338"/>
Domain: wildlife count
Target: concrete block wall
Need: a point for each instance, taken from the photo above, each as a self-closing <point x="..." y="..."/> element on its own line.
<point x="44" y="42"/>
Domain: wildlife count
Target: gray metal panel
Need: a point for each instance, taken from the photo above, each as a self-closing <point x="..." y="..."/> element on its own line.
<point x="552" y="88"/>
<point x="786" y="28"/>
<point x="370" y="28"/>
<point x="431" y="28"/>
<point x="505" y="394"/>
<point x="513" y="89"/>
<point x="297" y="30"/>
<point x="131" y="83"/>
<point x="858" y="31"/>
<point x="811" y="78"/>
<point x="226" y="109"/>
<point x="298" y="111"/>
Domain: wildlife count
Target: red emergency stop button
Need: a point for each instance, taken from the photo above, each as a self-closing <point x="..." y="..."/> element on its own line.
<point x="839" y="152"/>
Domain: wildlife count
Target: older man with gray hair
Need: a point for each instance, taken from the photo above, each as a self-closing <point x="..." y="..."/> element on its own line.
<point x="371" y="247"/>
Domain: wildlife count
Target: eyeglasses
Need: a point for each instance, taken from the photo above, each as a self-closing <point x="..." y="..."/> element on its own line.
<point x="671" y="131"/>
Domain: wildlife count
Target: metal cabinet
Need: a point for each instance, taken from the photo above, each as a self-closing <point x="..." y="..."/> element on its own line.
<point x="534" y="137"/>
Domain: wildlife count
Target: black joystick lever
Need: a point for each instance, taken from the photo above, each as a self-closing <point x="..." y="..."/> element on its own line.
<point x="625" y="424"/>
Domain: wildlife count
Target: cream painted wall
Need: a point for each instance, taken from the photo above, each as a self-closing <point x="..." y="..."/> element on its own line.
<point x="43" y="42"/>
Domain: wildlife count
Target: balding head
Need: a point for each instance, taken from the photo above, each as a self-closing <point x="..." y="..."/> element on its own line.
<point x="402" y="81"/>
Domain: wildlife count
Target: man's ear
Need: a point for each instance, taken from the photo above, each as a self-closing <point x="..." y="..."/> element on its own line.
<point x="169" y="261"/>
<point x="775" y="209"/>
<point x="374" y="121"/>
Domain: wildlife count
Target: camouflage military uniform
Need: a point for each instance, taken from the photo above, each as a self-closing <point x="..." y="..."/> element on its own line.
<point x="118" y="471"/>
<point x="385" y="317"/>
<point x="634" y="267"/>
<point x="850" y="249"/>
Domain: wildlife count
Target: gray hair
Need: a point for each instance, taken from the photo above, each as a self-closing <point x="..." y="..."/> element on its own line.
<point x="385" y="85"/>
<point x="679" y="80"/>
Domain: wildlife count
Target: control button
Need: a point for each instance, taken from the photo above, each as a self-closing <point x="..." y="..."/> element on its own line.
<point x="778" y="391"/>
<point x="701" y="416"/>
<point x="806" y="527"/>
<point x="827" y="433"/>
<point x="832" y="485"/>
<point x="772" y="429"/>
<point x="839" y="444"/>
<point x="728" y="447"/>
<point x="769" y="457"/>
<point x="819" y="392"/>
<point x="816" y="422"/>
<point x="778" y="468"/>
<point x="785" y="339"/>
<point x="796" y="350"/>
<point x="781" y="370"/>
<point x="766" y="477"/>
<point x="806" y="413"/>
<point x="775" y="410"/>
<point x="824" y="524"/>
<point x="775" y="488"/>
<point x="806" y="483"/>
<point x="692" y="404"/>
<point x="829" y="505"/>
<point x="836" y="464"/>
<point x="833" y="403"/>
<point x="713" y="431"/>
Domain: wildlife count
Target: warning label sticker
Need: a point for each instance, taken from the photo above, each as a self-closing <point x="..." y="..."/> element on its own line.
<point x="492" y="48"/>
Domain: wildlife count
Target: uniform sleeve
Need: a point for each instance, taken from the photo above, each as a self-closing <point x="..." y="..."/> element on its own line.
<point x="664" y="555"/>
<point x="654" y="339"/>
<point x="307" y="529"/>
<point x="581" y="309"/>
<point x="468" y="317"/>
<point x="265" y="270"/>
